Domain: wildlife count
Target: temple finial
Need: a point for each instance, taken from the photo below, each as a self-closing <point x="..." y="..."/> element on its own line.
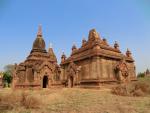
<point x="93" y="35"/>
<point x="128" y="53"/>
<point x="116" y="45"/>
<point x="83" y="41"/>
<point x="74" y="47"/>
<point x="50" y="45"/>
<point x="39" y="31"/>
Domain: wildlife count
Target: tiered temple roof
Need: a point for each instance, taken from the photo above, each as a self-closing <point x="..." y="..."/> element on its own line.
<point x="96" y="46"/>
<point x="39" y="52"/>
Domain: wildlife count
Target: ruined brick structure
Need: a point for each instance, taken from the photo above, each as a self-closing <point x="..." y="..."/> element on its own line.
<point x="40" y="69"/>
<point x="147" y="73"/>
<point x="96" y="63"/>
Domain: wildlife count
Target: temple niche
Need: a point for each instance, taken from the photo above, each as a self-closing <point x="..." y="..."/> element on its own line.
<point x="96" y="63"/>
<point x="40" y="69"/>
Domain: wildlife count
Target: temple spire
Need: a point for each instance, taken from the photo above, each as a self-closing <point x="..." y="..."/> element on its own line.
<point x="63" y="57"/>
<point x="74" y="47"/>
<point x="128" y="53"/>
<point x="39" y="33"/>
<point x="93" y="35"/>
<point x="50" y="45"/>
<point x="39" y="43"/>
<point x="116" y="45"/>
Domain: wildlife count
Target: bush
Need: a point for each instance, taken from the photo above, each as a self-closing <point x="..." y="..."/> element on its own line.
<point x="30" y="101"/>
<point x="141" y="75"/>
<point x="120" y="90"/>
<point x="138" y="93"/>
<point x="132" y="89"/>
<point x="7" y="78"/>
<point x="9" y="101"/>
<point x="21" y="99"/>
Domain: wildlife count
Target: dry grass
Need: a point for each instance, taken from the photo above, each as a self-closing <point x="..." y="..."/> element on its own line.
<point x="71" y="101"/>
<point x="30" y="101"/>
<point x="13" y="99"/>
<point x="139" y="88"/>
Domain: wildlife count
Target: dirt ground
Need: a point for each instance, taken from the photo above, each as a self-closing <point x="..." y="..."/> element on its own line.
<point x="70" y="101"/>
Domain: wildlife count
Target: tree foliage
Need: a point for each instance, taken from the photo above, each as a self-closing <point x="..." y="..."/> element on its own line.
<point x="7" y="79"/>
<point x="8" y="75"/>
<point x="141" y="75"/>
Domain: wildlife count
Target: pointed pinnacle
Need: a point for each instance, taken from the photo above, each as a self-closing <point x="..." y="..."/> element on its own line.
<point x="39" y="31"/>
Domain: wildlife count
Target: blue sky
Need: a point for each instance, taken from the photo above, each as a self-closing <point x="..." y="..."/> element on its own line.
<point x="66" y="22"/>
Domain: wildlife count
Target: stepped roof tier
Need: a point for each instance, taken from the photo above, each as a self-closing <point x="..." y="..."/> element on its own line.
<point x="39" y="52"/>
<point x="96" y="46"/>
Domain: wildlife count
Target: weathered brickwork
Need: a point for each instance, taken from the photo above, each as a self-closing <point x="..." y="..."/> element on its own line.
<point x="94" y="64"/>
<point x="97" y="63"/>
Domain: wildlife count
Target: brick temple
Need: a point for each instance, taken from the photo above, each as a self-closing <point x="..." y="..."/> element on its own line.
<point x="40" y="69"/>
<point x="94" y="64"/>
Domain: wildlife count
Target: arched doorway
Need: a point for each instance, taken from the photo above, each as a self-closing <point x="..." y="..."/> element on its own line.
<point x="71" y="73"/>
<point x="45" y="82"/>
<point x="71" y="80"/>
<point x="71" y="84"/>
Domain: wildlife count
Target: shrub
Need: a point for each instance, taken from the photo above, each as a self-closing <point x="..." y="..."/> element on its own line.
<point x="9" y="101"/>
<point x="132" y="89"/>
<point x="19" y="99"/>
<point x="30" y="101"/>
<point x="138" y="93"/>
<point x="141" y="75"/>
<point x="7" y="79"/>
<point x="120" y="90"/>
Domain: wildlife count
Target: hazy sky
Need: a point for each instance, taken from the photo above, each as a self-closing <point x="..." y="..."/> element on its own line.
<point x="65" y="22"/>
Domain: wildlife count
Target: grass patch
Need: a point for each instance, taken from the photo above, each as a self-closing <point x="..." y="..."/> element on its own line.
<point x="72" y="101"/>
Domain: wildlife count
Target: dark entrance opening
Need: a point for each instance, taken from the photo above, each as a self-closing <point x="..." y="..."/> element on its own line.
<point x="71" y="81"/>
<point x="45" y="81"/>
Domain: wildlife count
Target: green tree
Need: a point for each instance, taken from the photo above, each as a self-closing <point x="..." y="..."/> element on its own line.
<point x="7" y="78"/>
<point x="8" y="75"/>
<point x="141" y="75"/>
